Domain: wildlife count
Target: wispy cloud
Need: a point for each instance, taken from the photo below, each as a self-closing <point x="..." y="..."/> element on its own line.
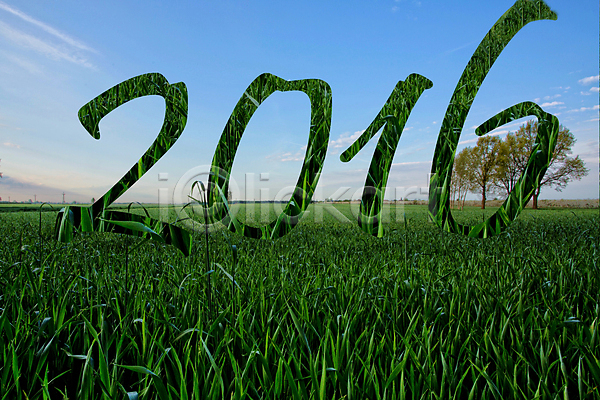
<point x="551" y="97"/>
<point x="596" y="107"/>
<point x="595" y="89"/>
<point x="589" y="80"/>
<point x="47" y="28"/>
<point x="553" y="104"/>
<point x="33" y="43"/>
<point x="22" y="188"/>
<point x="8" y="144"/>
<point x="464" y="46"/>
<point x="65" y="48"/>
<point x="26" y="65"/>
<point x="411" y="163"/>
<point x="289" y="156"/>
<point x="493" y="133"/>
<point x="345" y="139"/>
<point x="467" y="141"/>
<point x="590" y="153"/>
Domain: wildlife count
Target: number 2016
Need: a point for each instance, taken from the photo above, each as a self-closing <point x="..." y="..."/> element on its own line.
<point x="391" y="119"/>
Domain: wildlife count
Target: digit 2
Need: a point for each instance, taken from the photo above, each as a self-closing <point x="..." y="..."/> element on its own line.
<point x="88" y="219"/>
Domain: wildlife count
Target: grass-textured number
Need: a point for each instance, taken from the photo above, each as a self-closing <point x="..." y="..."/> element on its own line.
<point x="97" y="217"/>
<point x="392" y="118"/>
<point x="520" y="14"/>
<point x="259" y="90"/>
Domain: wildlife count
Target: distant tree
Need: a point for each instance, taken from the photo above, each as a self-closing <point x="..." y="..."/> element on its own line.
<point x="515" y="151"/>
<point x="512" y="161"/>
<point x="461" y="179"/>
<point x="482" y="166"/>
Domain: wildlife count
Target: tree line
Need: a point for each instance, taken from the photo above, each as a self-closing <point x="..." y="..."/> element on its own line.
<point x="494" y="166"/>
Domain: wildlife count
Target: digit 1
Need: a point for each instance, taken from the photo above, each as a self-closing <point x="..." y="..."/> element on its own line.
<point x="511" y="22"/>
<point x="392" y="117"/>
<point x="259" y="90"/>
<point x="87" y="219"/>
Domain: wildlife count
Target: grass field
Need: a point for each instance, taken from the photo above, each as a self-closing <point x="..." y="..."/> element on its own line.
<point x="326" y="312"/>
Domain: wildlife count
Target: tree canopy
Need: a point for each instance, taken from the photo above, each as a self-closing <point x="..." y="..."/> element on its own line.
<point x="495" y="165"/>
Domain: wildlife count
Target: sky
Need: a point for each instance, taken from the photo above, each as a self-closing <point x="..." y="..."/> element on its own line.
<point x="57" y="56"/>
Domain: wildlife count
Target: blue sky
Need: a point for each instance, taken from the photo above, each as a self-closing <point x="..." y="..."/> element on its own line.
<point x="57" y="56"/>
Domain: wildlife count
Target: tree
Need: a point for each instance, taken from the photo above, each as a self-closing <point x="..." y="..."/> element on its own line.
<point x="483" y="164"/>
<point x="515" y="151"/>
<point x="461" y="181"/>
<point x="512" y="161"/>
<point x="475" y="169"/>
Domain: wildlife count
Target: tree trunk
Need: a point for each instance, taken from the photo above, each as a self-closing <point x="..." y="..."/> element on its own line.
<point x="536" y="193"/>
<point x="483" y="200"/>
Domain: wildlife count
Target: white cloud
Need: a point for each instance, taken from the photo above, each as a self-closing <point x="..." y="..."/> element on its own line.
<point x="595" y="89"/>
<point x="411" y="163"/>
<point x="24" y="64"/>
<point x="8" y="144"/>
<point x="54" y="32"/>
<point x="589" y="80"/>
<point x="536" y="100"/>
<point x="345" y="139"/>
<point x="596" y="107"/>
<point x="552" y="97"/>
<point x="287" y="156"/>
<point x="586" y="93"/>
<point x="493" y="133"/>
<point x="33" y="43"/>
<point x="553" y="104"/>
<point x="467" y="141"/>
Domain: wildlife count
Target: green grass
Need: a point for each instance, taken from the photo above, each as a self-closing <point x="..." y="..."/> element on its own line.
<point x="326" y="312"/>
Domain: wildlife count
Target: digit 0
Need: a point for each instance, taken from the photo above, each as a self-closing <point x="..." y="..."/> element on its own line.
<point x="259" y="90"/>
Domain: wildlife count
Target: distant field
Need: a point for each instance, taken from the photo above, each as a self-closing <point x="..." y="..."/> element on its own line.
<point x="324" y="312"/>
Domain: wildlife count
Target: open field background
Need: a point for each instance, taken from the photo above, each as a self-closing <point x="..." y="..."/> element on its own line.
<point x="324" y="312"/>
